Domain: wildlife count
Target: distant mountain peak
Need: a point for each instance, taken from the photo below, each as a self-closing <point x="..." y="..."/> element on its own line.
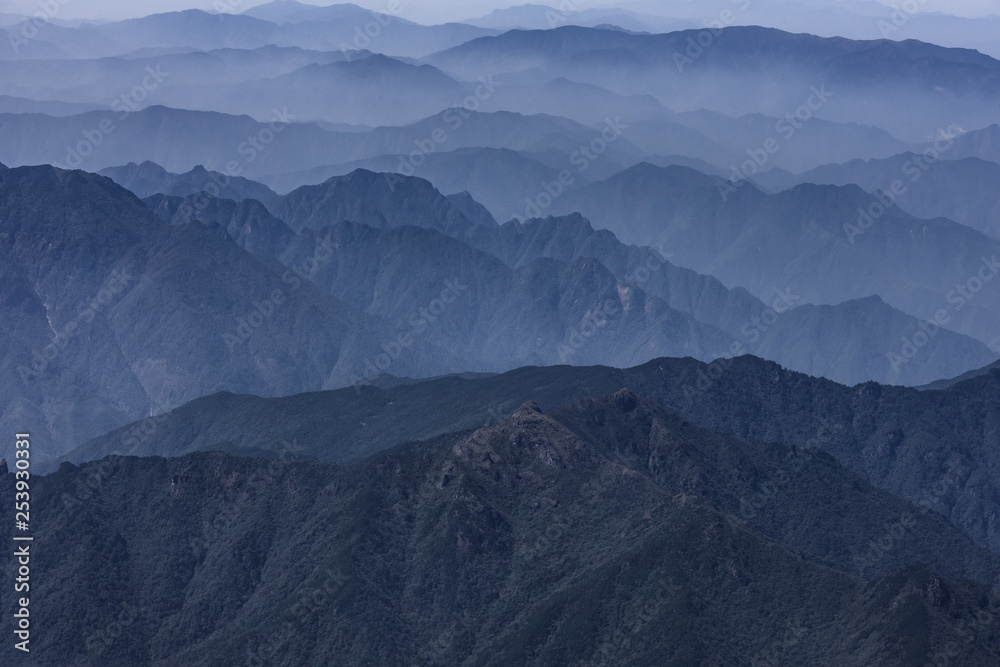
<point x="360" y="175"/>
<point x="283" y="4"/>
<point x="292" y="12"/>
<point x="677" y="171"/>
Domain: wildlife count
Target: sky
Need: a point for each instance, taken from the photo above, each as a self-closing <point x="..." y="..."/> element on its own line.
<point x="423" y="11"/>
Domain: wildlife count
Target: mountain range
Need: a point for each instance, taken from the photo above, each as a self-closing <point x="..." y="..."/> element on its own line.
<point x="549" y="292"/>
<point x="832" y="78"/>
<point x="330" y="30"/>
<point x="934" y="188"/>
<point x="660" y="333"/>
<point x="902" y="440"/>
<point x="561" y="503"/>
<point x="833" y="243"/>
<point x="851" y="342"/>
<point x="856" y="19"/>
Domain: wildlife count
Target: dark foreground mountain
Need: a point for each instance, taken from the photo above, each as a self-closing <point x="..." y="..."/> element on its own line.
<point x="605" y="532"/>
<point x="933" y="448"/>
